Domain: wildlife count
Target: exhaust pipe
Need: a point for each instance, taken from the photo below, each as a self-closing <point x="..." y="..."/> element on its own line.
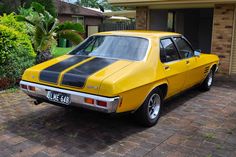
<point x="37" y="102"/>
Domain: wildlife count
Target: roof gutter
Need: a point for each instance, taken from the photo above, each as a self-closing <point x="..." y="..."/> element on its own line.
<point x="165" y="2"/>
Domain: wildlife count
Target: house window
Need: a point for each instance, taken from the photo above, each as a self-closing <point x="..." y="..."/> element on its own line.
<point x="78" y="19"/>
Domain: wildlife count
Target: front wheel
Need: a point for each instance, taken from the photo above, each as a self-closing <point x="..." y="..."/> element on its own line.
<point x="207" y="83"/>
<point x="149" y="113"/>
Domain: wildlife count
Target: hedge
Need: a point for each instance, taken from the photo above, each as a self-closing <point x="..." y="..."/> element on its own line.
<point x="16" y="54"/>
<point x="10" y="21"/>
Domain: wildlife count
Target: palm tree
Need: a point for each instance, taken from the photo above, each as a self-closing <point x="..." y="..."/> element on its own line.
<point x="47" y="30"/>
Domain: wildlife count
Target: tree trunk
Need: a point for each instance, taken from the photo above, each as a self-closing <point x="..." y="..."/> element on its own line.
<point x="43" y="56"/>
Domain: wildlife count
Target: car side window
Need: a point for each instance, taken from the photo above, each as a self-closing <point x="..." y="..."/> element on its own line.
<point x="162" y="54"/>
<point x="185" y="49"/>
<point x="168" y="50"/>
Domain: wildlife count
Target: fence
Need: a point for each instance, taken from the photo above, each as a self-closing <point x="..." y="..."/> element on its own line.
<point x="116" y="26"/>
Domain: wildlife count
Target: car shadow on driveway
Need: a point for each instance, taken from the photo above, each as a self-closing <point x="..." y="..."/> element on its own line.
<point x="85" y="131"/>
<point x="77" y="131"/>
<point x="81" y="131"/>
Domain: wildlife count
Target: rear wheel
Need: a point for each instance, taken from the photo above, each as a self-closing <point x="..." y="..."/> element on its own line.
<point x="149" y="113"/>
<point x="208" y="82"/>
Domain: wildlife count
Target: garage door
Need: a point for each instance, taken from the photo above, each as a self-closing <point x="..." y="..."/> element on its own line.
<point x="92" y="30"/>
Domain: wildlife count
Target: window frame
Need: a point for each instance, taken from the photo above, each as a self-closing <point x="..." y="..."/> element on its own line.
<point x="79" y="18"/>
<point x="172" y="39"/>
<point x="186" y="40"/>
<point x="161" y="45"/>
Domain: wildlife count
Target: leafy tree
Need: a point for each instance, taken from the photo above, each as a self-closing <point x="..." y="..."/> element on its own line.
<point x="88" y="3"/>
<point x="47" y="30"/>
<point x="48" y="4"/>
<point x="8" y="6"/>
<point x="102" y="4"/>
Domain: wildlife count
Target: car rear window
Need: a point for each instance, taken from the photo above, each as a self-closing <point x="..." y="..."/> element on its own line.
<point x="120" y="47"/>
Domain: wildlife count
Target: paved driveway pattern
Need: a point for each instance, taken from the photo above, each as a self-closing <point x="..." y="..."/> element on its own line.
<point x="192" y="124"/>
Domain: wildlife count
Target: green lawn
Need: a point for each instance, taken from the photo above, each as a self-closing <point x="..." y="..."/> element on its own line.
<point x="58" y="51"/>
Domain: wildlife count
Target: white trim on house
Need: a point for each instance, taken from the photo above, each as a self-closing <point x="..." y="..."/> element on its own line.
<point x="160" y="2"/>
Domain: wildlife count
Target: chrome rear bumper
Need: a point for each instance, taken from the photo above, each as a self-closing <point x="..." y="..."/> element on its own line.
<point x="77" y="98"/>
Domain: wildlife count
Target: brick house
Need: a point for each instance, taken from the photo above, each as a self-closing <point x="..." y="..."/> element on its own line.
<point x="89" y="18"/>
<point x="208" y="24"/>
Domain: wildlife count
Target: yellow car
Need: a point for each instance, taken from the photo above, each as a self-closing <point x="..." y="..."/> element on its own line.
<point x="122" y="71"/>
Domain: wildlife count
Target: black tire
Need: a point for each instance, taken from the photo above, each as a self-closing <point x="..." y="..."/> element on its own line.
<point x="208" y="82"/>
<point x="142" y="115"/>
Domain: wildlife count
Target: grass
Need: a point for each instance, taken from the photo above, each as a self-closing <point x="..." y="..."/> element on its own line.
<point x="59" y="51"/>
<point x="209" y="136"/>
<point x="11" y="89"/>
<point x="209" y="155"/>
<point x="218" y="146"/>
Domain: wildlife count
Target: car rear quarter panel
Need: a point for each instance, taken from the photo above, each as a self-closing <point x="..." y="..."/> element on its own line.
<point x="134" y="82"/>
<point x="208" y="60"/>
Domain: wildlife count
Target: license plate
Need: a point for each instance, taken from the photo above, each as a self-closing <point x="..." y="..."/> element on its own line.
<point x="59" y="97"/>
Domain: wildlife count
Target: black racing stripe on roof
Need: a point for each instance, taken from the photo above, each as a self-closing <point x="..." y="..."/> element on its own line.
<point x="77" y="77"/>
<point x="51" y="74"/>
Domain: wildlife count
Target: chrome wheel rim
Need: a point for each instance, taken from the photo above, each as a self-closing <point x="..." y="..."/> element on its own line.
<point x="210" y="79"/>
<point x="154" y="105"/>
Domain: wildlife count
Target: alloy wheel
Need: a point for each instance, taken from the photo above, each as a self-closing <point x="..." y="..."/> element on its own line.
<point x="154" y="106"/>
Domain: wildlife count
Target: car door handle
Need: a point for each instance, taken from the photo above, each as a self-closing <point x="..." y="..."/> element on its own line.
<point x="187" y="62"/>
<point x="167" y="67"/>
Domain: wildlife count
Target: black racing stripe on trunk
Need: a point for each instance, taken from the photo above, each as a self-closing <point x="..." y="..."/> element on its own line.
<point x="51" y="74"/>
<point x="78" y="76"/>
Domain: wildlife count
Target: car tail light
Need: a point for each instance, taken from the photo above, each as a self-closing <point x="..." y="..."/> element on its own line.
<point x="31" y="88"/>
<point x="89" y="100"/>
<point x="23" y="86"/>
<point x="102" y="103"/>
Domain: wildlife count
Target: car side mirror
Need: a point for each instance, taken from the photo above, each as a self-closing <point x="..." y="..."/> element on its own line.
<point x="197" y="53"/>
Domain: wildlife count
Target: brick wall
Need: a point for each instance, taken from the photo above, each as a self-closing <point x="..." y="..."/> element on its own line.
<point x="142" y="18"/>
<point x="222" y="34"/>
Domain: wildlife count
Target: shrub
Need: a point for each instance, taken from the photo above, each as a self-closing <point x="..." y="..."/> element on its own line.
<point x="16" y="54"/>
<point x="10" y="21"/>
<point x="47" y="29"/>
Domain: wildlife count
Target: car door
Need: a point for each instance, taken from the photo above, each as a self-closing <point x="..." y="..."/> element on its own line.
<point x="174" y="68"/>
<point x="194" y="72"/>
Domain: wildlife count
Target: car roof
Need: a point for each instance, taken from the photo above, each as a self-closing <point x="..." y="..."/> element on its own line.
<point x="140" y="33"/>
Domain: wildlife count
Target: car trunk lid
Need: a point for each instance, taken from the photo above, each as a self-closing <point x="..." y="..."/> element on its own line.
<point x="77" y="73"/>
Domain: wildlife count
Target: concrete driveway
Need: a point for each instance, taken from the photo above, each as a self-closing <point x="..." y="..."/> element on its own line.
<point x="192" y="124"/>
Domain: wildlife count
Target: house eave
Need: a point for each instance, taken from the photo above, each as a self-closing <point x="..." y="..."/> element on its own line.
<point x="77" y="14"/>
<point x="123" y="13"/>
<point x="156" y="3"/>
